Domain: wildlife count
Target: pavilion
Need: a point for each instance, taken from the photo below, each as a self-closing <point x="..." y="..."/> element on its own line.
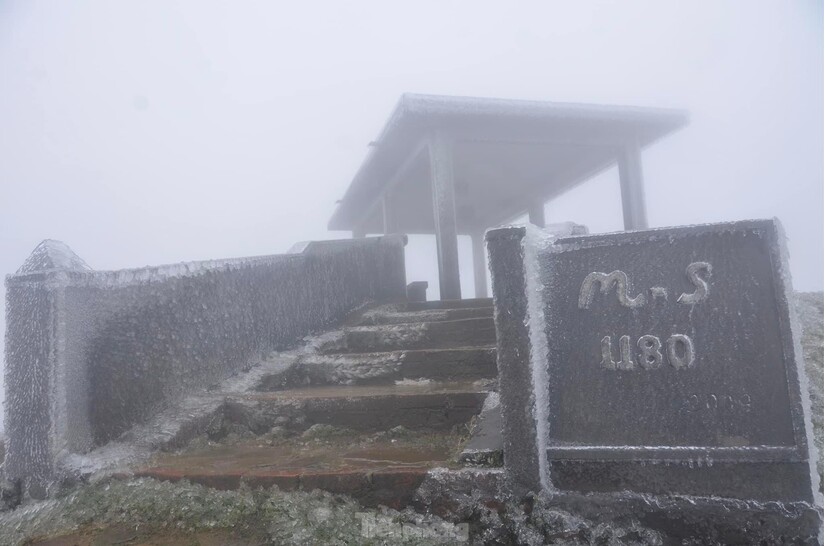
<point x="457" y="166"/>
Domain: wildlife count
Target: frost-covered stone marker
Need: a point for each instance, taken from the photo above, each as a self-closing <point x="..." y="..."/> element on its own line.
<point x="661" y="361"/>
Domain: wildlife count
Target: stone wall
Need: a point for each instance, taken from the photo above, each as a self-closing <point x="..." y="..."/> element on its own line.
<point x="90" y="353"/>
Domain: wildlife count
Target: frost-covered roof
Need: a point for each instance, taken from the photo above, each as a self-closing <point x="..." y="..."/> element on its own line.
<point x="51" y="254"/>
<point x="505" y="151"/>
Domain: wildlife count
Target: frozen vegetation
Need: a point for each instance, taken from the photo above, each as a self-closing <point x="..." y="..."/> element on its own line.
<point x="150" y="506"/>
<point x="152" y="509"/>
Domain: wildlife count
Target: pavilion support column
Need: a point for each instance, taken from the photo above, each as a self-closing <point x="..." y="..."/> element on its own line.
<point x="536" y="214"/>
<point x="479" y="264"/>
<point x="388" y="214"/>
<point x="632" y="184"/>
<point x="446" y="233"/>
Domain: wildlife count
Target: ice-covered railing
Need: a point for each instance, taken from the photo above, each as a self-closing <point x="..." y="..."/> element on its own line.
<point x="91" y="353"/>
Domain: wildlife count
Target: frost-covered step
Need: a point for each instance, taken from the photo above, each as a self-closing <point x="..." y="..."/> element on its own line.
<point x="415" y="405"/>
<point x="423" y="335"/>
<point x="395" y="314"/>
<point x="394" y="488"/>
<point x="385" y="367"/>
<point x="449" y="304"/>
<point x="463" y="363"/>
<point x="384" y="467"/>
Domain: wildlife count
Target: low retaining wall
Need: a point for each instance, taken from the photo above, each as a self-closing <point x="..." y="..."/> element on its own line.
<point x="91" y="353"/>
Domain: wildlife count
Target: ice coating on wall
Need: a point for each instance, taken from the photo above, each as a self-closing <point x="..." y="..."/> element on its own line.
<point x="801" y="375"/>
<point x="89" y="354"/>
<point x="519" y="441"/>
<point x="519" y="294"/>
<point x="534" y="241"/>
<point x="51" y="254"/>
<point x="28" y="380"/>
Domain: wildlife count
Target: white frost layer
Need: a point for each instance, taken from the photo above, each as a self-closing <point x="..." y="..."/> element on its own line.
<point x="413" y="382"/>
<point x="534" y="241"/>
<point x="492" y="402"/>
<point x="799" y="361"/>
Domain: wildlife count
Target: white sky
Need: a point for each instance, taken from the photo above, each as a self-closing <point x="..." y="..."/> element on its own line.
<point x="150" y="132"/>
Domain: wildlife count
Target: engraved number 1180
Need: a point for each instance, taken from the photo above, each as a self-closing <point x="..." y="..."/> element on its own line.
<point x="678" y="351"/>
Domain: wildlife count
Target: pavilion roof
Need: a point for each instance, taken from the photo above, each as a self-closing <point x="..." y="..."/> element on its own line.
<point x="507" y="154"/>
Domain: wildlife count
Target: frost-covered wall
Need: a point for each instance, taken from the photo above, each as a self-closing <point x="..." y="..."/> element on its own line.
<point x="90" y="353"/>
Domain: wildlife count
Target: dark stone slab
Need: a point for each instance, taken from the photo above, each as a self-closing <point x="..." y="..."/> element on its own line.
<point x="485" y="446"/>
<point x="662" y="361"/>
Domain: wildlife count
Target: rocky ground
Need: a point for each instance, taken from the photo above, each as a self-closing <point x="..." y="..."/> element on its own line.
<point x="149" y="512"/>
<point x="144" y="511"/>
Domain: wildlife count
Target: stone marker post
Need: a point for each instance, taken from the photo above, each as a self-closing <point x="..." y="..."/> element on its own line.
<point x="660" y="362"/>
<point x="46" y="392"/>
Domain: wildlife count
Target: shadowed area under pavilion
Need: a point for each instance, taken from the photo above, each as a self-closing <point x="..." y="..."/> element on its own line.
<point x="453" y="166"/>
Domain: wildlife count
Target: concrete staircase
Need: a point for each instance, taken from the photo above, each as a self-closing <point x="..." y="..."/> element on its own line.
<point x="367" y="410"/>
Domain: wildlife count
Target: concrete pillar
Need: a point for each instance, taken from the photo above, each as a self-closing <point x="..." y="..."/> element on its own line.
<point x="536" y="214"/>
<point x="479" y="264"/>
<point x="446" y="233"/>
<point x="632" y="184"/>
<point x="47" y="412"/>
<point x="388" y="213"/>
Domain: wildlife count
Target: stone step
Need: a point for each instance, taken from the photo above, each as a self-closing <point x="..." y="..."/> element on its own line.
<point x="395" y="314"/>
<point x="415" y="405"/>
<point x="449" y="304"/>
<point x="485" y="447"/>
<point x="468" y="363"/>
<point x="376" y="468"/>
<point x="424" y="335"/>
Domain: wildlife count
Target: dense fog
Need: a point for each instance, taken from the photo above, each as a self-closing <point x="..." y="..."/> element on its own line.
<point x="155" y="132"/>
